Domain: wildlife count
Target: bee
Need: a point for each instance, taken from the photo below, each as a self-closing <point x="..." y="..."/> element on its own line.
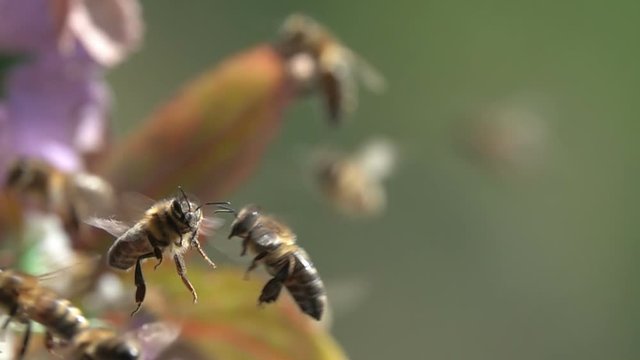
<point x="318" y="60"/>
<point x="169" y="225"/>
<point x="26" y="300"/>
<point x="73" y="196"/>
<point x="146" y="342"/>
<point x="274" y="245"/>
<point x="354" y="183"/>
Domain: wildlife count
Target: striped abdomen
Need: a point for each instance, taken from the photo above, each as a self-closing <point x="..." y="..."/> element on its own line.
<point x="306" y="287"/>
<point x="58" y="315"/>
<point x="159" y="227"/>
<point x="128" y="248"/>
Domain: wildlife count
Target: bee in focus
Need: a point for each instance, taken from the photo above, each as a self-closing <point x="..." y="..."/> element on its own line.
<point x="354" y="183"/>
<point x="73" y="196"/>
<point x="274" y="245"/>
<point x="318" y="60"/>
<point x="27" y="300"/>
<point x="171" y="225"/>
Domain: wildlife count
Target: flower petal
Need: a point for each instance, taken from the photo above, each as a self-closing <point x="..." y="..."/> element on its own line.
<point x="26" y="25"/>
<point x="47" y="100"/>
<point x="108" y="29"/>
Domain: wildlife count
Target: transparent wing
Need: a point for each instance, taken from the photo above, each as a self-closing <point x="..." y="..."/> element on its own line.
<point x="371" y="78"/>
<point x="338" y="81"/>
<point x="133" y="205"/>
<point x="154" y="338"/>
<point x="113" y="227"/>
<point x="210" y="225"/>
<point x="377" y="158"/>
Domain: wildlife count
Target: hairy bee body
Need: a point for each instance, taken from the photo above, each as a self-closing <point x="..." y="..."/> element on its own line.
<point x="335" y="69"/>
<point x="40" y="304"/>
<point x="73" y="196"/>
<point x="274" y="246"/>
<point x="169" y="225"/>
<point x="162" y="227"/>
<point x="354" y="183"/>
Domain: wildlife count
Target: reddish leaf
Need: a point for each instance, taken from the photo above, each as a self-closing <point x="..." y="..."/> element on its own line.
<point x="209" y="137"/>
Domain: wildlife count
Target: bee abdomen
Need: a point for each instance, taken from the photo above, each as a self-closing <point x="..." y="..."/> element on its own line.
<point x="120" y="258"/>
<point x="307" y="289"/>
<point x="58" y="315"/>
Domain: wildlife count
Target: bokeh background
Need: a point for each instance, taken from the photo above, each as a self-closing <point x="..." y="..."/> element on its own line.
<point x="472" y="260"/>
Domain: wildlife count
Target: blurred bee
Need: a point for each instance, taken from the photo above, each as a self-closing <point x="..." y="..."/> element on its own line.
<point x="73" y="196"/>
<point x="318" y="60"/>
<point x="26" y="300"/>
<point x="146" y="342"/>
<point x="274" y="245"/>
<point x="354" y="183"/>
<point x="169" y="225"/>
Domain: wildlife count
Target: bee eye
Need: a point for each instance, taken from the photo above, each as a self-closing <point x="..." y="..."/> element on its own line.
<point x="176" y="207"/>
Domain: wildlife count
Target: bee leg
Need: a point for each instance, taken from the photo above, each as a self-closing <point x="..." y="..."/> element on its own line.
<point x="254" y="264"/>
<point x="25" y="341"/>
<point x="157" y="251"/>
<point x="245" y="244"/>
<point x="195" y="243"/>
<point x="271" y="290"/>
<point x="12" y="314"/>
<point x="50" y="343"/>
<point x="141" y="287"/>
<point x="158" y="254"/>
<point x="182" y="271"/>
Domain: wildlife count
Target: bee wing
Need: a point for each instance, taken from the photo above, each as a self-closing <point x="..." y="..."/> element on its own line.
<point x="154" y="338"/>
<point x="345" y="294"/>
<point x="377" y="158"/>
<point x="338" y="82"/>
<point x="95" y="195"/>
<point x="210" y="224"/>
<point x="113" y="227"/>
<point x="132" y="205"/>
<point x="371" y="78"/>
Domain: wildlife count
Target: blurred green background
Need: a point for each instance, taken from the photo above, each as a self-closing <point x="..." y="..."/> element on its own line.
<point x="467" y="263"/>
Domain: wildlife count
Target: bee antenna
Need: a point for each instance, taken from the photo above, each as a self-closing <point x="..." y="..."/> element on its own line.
<point x="185" y="197"/>
<point x="223" y="206"/>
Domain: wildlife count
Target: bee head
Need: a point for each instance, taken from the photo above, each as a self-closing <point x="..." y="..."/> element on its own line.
<point x="299" y="33"/>
<point x="187" y="212"/>
<point x="117" y="349"/>
<point x="246" y="219"/>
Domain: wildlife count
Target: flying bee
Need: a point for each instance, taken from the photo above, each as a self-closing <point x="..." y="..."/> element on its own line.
<point x="354" y="183"/>
<point x="26" y="300"/>
<point x="318" y="60"/>
<point x="274" y="245"/>
<point x="73" y="196"/>
<point x="146" y="342"/>
<point x="169" y="225"/>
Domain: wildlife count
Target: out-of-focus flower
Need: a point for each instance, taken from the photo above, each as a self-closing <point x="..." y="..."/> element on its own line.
<point x="107" y="29"/>
<point x="57" y="103"/>
<point x="56" y="109"/>
<point x="209" y="138"/>
<point x="27" y="26"/>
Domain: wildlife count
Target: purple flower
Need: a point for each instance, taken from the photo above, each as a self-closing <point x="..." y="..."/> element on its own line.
<point x="107" y="29"/>
<point x="56" y="108"/>
<point x="57" y="103"/>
